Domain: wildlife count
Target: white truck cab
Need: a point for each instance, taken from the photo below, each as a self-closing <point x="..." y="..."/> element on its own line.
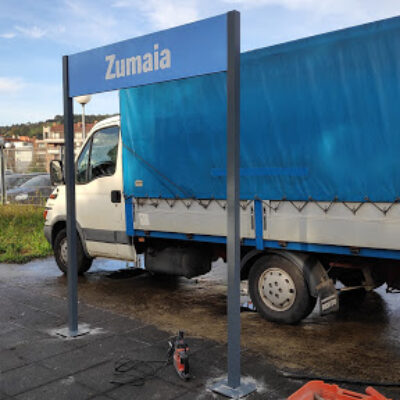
<point x="100" y="208"/>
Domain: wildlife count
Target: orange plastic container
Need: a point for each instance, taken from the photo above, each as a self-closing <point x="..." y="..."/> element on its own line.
<point x="319" y="390"/>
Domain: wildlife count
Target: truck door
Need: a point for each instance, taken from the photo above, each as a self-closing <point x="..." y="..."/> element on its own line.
<point x="99" y="200"/>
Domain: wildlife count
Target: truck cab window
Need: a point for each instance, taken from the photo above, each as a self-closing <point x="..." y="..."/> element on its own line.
<point x="82" y="164"/>
<point x="99" y="156"/>
<point x="103" y="155"/>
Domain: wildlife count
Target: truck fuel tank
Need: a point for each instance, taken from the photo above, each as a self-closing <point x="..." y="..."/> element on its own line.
<point x="185" y="261"/>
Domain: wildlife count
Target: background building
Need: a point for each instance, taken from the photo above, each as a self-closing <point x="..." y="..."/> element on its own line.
<point x="25" y="154"/>
<point x="53" y="140"/>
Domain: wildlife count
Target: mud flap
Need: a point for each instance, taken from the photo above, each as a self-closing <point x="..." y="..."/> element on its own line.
<point x="328" y="298"/>
<point x="319" y="284"/>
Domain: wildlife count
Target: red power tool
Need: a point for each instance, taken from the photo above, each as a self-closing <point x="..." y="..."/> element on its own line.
<point x="179" y="350"/>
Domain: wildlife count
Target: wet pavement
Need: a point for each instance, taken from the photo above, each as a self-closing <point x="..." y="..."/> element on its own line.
<point x="359" y="343"/>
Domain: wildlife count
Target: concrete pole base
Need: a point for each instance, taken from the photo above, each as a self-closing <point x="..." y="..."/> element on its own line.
<point x="243" y="390"/>
<point x="67" y="334"/>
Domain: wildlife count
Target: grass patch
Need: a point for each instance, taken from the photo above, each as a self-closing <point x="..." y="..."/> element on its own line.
<point x="21" y="234"/>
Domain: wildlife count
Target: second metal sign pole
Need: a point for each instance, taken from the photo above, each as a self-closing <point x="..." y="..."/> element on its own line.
<point x="233" y="387"/>
<point x="233" y="192"/>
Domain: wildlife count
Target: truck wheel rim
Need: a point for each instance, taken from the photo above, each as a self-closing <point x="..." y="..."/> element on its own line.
<point x="277" y="289"/>
<point x="64" y="250"/>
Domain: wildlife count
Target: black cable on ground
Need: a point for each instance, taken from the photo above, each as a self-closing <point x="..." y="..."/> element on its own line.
<point x="136" y="372"/>
<point x="300" y="376"/>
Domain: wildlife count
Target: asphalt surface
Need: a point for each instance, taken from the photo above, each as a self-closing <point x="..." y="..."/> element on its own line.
<point x="131" y="316"/>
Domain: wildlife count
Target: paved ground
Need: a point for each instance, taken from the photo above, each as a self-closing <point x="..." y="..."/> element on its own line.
<point x="36" y="364"/>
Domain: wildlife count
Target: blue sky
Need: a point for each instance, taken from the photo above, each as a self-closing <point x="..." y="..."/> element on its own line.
<point x="34" y="34"/>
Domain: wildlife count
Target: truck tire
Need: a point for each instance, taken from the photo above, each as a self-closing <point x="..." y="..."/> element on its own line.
<point x="60" y="253"/>
<point x="279" y="291"/>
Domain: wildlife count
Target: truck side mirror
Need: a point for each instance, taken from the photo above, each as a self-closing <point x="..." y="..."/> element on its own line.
<point x="56" y="173"/>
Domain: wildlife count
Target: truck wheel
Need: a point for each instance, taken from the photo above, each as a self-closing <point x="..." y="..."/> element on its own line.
<point x="279" y="291"/>
<point x="61" y="255"/>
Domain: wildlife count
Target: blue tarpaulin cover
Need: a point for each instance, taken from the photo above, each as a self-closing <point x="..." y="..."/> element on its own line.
<point x="320" y="119"/>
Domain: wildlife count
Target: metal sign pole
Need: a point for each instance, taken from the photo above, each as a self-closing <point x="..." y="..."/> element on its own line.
<point x="71" y="215"/>
<point x="233" y="387"/>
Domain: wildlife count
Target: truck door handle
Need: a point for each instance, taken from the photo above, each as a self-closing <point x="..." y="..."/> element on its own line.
<point x="115" y="196"/>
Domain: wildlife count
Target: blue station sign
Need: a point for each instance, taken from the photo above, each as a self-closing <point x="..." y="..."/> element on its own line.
<point x="188" y="50"/>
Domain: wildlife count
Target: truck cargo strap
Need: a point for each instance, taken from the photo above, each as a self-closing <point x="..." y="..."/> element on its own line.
<point x="273" y="205"/>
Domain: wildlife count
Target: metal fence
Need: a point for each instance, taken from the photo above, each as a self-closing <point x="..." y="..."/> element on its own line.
<point x="26" y="159"/>
<point x="27" y="195"/>
<point x="25" y="178"/>
<point x="36" y="198"/>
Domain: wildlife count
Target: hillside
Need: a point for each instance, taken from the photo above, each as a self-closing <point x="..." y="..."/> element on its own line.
<point x="35" y="129"/>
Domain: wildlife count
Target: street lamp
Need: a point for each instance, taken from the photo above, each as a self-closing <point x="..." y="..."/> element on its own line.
<point x="83" y="100"/>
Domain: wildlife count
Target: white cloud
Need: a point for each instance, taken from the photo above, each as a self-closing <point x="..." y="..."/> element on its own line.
<point x="33" y="32"/>
<point x="121" y="4"/>
<point x="59" y="29"/>
<point x="163" y="14"/>
<point x="10" y="85"/>
<point x="94" y="24"/>
<point x="121" y="19"/>
<point x="7" y="35"/>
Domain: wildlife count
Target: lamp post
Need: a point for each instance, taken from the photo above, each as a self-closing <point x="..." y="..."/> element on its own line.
<point x="83" y="100"/>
